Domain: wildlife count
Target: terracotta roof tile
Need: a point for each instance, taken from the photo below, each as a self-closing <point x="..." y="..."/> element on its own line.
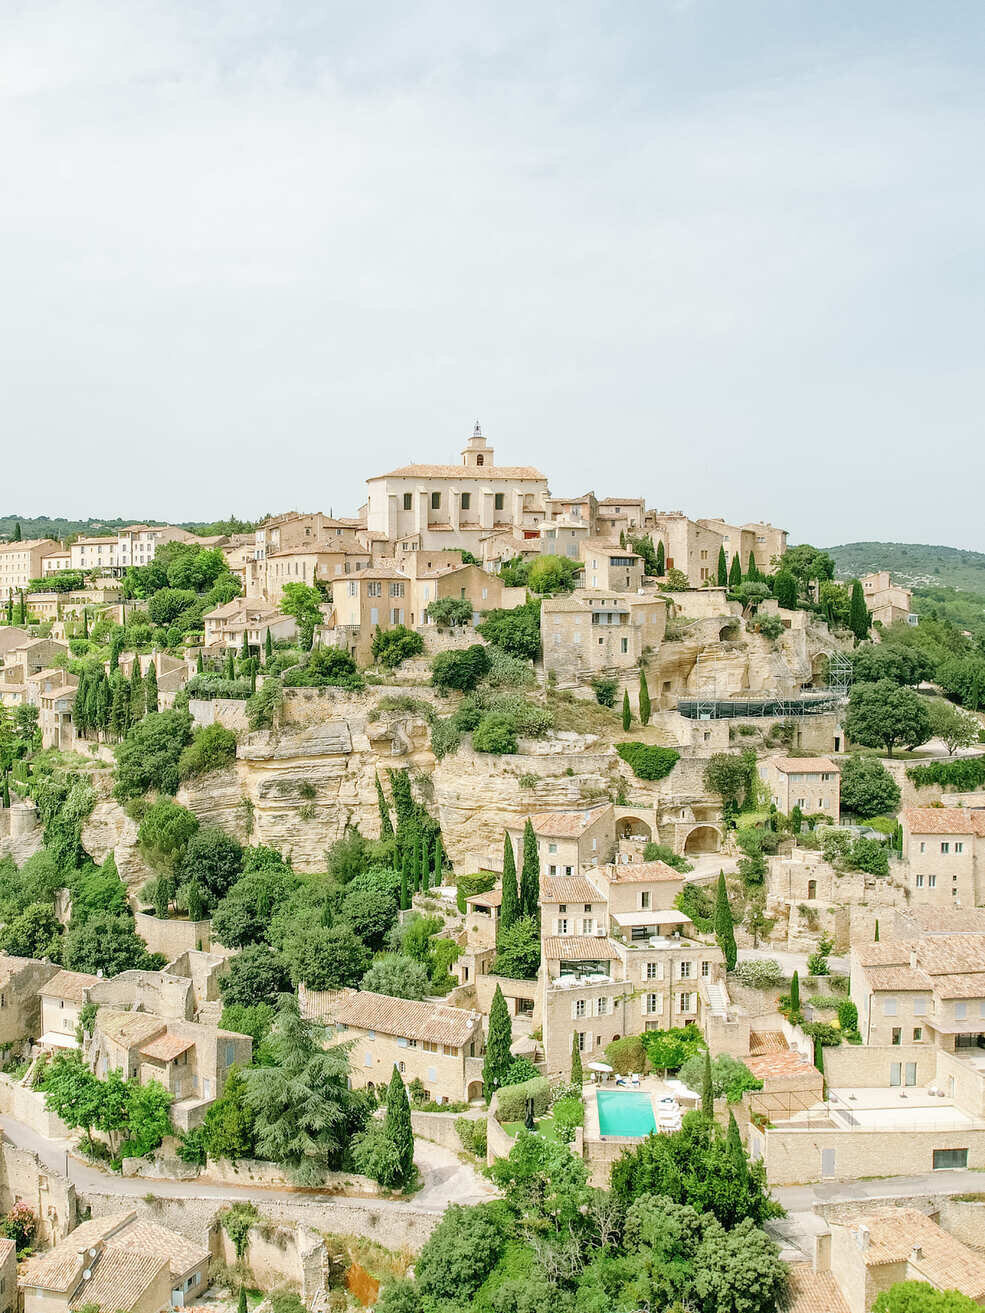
<point x="762" y="1042"/>
<point x="579" y="948"/>
<point x="437" y="1023"/>
<point x="489" y="472"/>
<point x="804" y="765"/>
<point x="944" y="820"/>
<point x="167" y="1047"/>
<point x="813" y="1292"/>
<point x="778" y="1065"/>
<point x="119" y="1279"/>
<point x="568" y="889"/>
<point x="639" y="872"/>
<point x="566" y="824"/>
<point x="895" y="1233"/>
<point x="69" y="985"/>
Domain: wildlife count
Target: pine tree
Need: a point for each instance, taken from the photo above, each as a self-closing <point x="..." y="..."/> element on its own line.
<point x="752" y="573"/>
<point x="858" y="613"/>
<point x="795" y="994"/>
<point x="627" y="715"/>
<point x="876" y="939"/>
<point x="529" y="892"/>
<point x="724" y="925"/>
<point x="136" y="691"/>
<point x="397" y="1126"/>
<point x="509" y="908"/>
<point x="150" y="687"/>
<point x="268" y="648"/>
<point x="707" y="1090"/>
<point x="735" y="572"/>
<point x="498" y="1057"/>
<point x="386" y="825"/>
<point x="644" y="700"/>
<point x="661" y="559"/>
<point x="577" y="1073"/>
<point x="722" y="567"/>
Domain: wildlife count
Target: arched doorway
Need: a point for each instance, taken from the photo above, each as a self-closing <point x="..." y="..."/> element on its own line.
<point x="631" y="827"/>
<point x="703" y="839"/>
<point x="474" y="1090"/>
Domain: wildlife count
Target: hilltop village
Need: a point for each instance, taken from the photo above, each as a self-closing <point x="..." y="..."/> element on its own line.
<point x="490" y="899"/>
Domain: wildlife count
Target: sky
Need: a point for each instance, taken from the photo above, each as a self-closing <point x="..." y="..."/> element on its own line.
<point x="726" y="254"/>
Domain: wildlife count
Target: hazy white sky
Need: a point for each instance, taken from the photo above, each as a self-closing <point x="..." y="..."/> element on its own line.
<point x="727" y="254"/>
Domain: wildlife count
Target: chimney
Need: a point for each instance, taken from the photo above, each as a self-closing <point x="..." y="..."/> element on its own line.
<point x="862" y="1237"/>
<point x="913" y="959"/>
<point x="916" y="1254"/>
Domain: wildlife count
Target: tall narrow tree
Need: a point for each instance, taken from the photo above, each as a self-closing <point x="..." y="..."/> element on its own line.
<point x="627" y="715"/>
<point x="386" y="825"/>
<point x="661" y="559"/>
<point x="85" y="622"/>
<point x="199" y="663"/>
<point x="736" y="1153"/>
<point x="136" y="691"/>
<point x="752" y="573"/>
<point x="10" y="608"/>
<point x="246" y="646"/>
<point x="707" y="1089"/>
<point x="509" y="908"/>
<point x="577" y="1071"/>
<point x="268" y="648"/>
<point x="858" y="613"/>
<point x="722" y="567"/>
<point x="438" y="858"/>
<point x="15" y="537"/>
<point x="230" y="664"/>
<point x="80" y="704"/>
<point x="397" y="1126"/>
<point x="876" y="939"/>
<point x="530" y="873"/>
<point x="724" y="925"/>
<point x="795" y="994"/>
<point x="735" y="572"/>
<point x="4" y="791"/>
<point x="644" y="699"/>
<point x="405" y="883"/>
<point x="21" y="608"/>
<point x="498" y="1057"/>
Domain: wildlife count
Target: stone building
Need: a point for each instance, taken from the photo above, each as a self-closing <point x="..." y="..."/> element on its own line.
<point x="688" y="546"/>
<point x="811" y="783"/>
<point x="769" y="545"/>
<point x="887" y="602"/>
<point x="22" y="561"/>
<point x="610" y="568"/>
<point x="62" y="999"/>
<point x="944" y="849"/>
<point x="226" y="625"/>
<point x="593" y="632"/>
<point x="21" y="983"/>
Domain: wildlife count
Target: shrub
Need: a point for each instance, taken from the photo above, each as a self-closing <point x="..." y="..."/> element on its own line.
<point x="325" y="667"/>
<point x="965" y="775"/>
<point x="847" y="1014"/>
<point x="648" y="763"/>
<point x="449" y="611"/>
<point x="392" y="646"/>
<point x="730" y="1078"/>
<point x="869" y="855"/>
<point x="472" y="1133"/>
<point x="605" y="691"/>
<point x="521" y="1070"/>
<point x="763" y="974"/>
<point x="817" y="965"/>
<point x="512" y="1105"/>
<point x="661" y="852"/>
<point x="445" y="737"/>
<point x="627" y="1055"/>
<point x="460" y="671"/>
<point x="507" y="671"/>
<point x="494" y="733"/>
<point x="516" y="631"/>
<point x="770" y="626"/>
<point x="211" y="748"/>
<point x="695" y="902"/>
<point x="825" y="1032"/>
<point x="568" y="1113"/>
<point x="262" y="707"/>
<point x="209" y="686"/>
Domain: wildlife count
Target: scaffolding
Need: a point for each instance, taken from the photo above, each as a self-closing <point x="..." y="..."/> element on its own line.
<point x="783" y="708"/>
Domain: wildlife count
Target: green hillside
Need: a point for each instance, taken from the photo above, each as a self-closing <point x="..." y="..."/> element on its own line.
<point x="43" y="526"/>
<point x="913" y="564"/>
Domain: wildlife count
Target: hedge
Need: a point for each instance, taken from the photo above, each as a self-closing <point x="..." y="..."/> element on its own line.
<point x="648" y="763"/>
<point x="963" y="775"/>
<point x="512" y="1105"/>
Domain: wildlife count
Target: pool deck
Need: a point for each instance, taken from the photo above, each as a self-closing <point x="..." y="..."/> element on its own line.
<point x="651" y="1085"/>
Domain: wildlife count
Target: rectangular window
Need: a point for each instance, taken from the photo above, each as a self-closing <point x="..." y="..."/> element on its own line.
<point x="950" y="1158"/>
<point x="651" y="1002"/>
<point x="374" y="588"/>
<point x="644" y="900"/>
<point x="931" y="881"/>
<point x="602" y="1007"/>
<point x="651" y="971"/>
<point x="499" y="500"/>
<point x="889" y="1007"/>
<point x="466" y="501"/>
<point x="919" y="881"/>
<point x="960" y="1011"/>
<point x="436" y="501"/>
<point x="396" y="590"/>
<point x="685" y="970"/>
<point x="917" y="1034"/>
<point x="945" y="847"/>
<point x="580" y="1007"/>
<point x="706" y="969"/>
<point x="562" y="926"/>
<point x="959" y="847"/>
<point x="353" y="588"/>
<point x="919" y="1006"/>
<point x="897" y="1035"/>
<point x="685" y="1003"/>
<point x="408" y="500"/>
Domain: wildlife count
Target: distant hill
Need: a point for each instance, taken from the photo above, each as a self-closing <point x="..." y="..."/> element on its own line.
<point x="913" y="564"/>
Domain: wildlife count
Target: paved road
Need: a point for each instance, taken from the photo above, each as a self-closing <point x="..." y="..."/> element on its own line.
<point x="446" y="1179"/>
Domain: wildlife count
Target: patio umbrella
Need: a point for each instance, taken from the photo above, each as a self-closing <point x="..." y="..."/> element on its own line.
<point x="599" y="1066"/>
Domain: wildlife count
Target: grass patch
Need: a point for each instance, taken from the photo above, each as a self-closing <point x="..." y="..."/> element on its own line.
<point x="544" y="1126"/>
<point x="580" y="716"/>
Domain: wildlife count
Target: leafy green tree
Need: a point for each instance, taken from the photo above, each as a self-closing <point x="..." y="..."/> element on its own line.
<point x="498" y="1057"/>
<point x="73" y="1093"/>
<point x="447" y="612"/>
<point x="735" y="572"/>
<point x="212" y="747"/>
<point x="518" y="950"/>
<point x="544" y="1184"/>
<point x="722" y="568"/>
<point x="627" y="714"/>
<point x="398" y="976"/>
<point x="325" y="957"/>
<point x="460" y="671"/>
<point x="148" y="757"/>
<point x="304" y="603"/>
<point x="859" y="619"/>
<point x="724" y="925"/>
<point x="726" y="1077"/>
<point x="109" y="944"/>
<point x="867" y="788"/>
<point x="730" y="775"/>
<point x="168" y="604"/>
<point x="886" y="715"/>
<point x="785" y="590"/>
<point x="214" y="860"/>
<point x="644" y="699"/>
<point x="516" y="631"/>
<point x="35" y="933"/>
<point x="509" y="910"/>
<point x="255" y="975"/>
<point x="148" y="1118"/>
<point x="254" y="1020"/>
<point x="370" y="912"/>
<point x="963" y="677"/>
<point x="552" y="574"/>
<point x="304" y="1113"/>
<point x="150" y="688"/>
<point x="921" y="1297"/>
<point x="807" y="564"/>
<point x="530" y="873"/>
<point x="164" y="834"/>
<point x="393" y="646"/>
<point x="460" y="1253"/>
<point x="957" y="729"/>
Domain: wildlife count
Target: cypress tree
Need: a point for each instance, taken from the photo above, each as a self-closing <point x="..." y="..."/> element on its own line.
<point x="397" y="1126"/>
<point x="707" y="1090"/>
<point x="196" y="902"/>
<point x="386" y="825"/>
<point x="10" y="609"/>
<point x="509" y="909"/>
<point x="136" y="690"/>
<point x="163" y="894"/>
<point x="752" y="574"/>
<point x="795" y="994"/>
<point x="253" y="681"/>
<point x="735" y="572"/>
<point x="115" y="648"/>
<point x="80" y="704"/>
<point x="404" y="885"/>
<point x="644" y="700"/>
<point x="529" y="873"/>
<point x="498" y="1057"/>
<point x="736" y="1153"/>
<point x="268" y="648"/>
<point x="119" y="709"/>
<point x="242" y="1306"/>
<point x="876" y="939"/>
<point x="4" y="791"/>
<point x="199" y="663"/>
<point x="858" y="613"/>
<point x="85" y="622"/>
<point x="661" y="559"/>
<point x="439" y="861"/>
<point x="425" y="869"/>
<point x="818" y="1055"/>
<point x="627" y="715"/>
<point x="246" y="646"/>
<point x="577" y="1074"/>
<point x="724" y="925"/>
<point x="15" y="537"/>
<point x="21" y="608"/>
<point x="422" y="862"/>
<point x="722" y="567"/>
<point x="104" y="702"/>
<point x="785" y="590"/>
<point x="230" y="664"/>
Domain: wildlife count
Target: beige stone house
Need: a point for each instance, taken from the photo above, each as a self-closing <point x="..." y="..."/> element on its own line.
<point x="376" y="598"/>
<point x="328" y="560"/>
<point x="688" y="546"/>
<point x="55" y="717"/>
<point x="21" y="981"/>
<point x="296" y="528"/>
<point x="56" y="562"/>
<point x="116" y="1262"/>
<point x="62" y="999"/>
<point x="21" y="562"/>
<point x="593" y="632"/>
<point x="564" y="537"/>
<point x="137" y="543"/>
<point x="769" y="544"/>
<point x="459" y="504"/>
<point x="482" y="589"/>
<point x="811" y="783"/>
<point x="944" y="849"/>
<point x="10" y="638"/>
<point x="887" y="602"/>
<point x="735" y="540"/>
<point x="569" y="841"/>
<point x="620" y="515"/>
<point x="610" y="568"/>
<point x="429" y="1041"/>
<point x="226" y="625"/>
<point x="96" y="553"/>
<point x="580" y="511"/>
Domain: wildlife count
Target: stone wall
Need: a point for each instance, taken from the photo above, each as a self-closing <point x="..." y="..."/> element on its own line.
<point x="867" y="1065"/>
<point x="28" y="1106"/>
<point x="793" y="1156"/>
<point x="172" y="936"/>
<point x="279" y="1255"/>
<point x="440" y="1128"/>
<point x="51" y="1197"/>
<point x="230" y="712"/>
<point x="248" y="1171"/>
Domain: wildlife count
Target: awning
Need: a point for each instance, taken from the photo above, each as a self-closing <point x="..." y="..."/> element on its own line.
<point x="669" y="916"/>
<point x="53" y="1039"/>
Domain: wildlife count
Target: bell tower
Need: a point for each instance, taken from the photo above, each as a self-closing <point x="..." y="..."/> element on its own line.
<point x="475" y="453"/>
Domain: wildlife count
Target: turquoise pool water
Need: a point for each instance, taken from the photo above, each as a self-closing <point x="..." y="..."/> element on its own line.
<point x="625" y="1112"/>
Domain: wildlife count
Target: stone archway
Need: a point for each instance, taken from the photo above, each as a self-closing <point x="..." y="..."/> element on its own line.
<point x="631" y="827"/>
<point x="703" y="839"/>
<point x="474" y="1090"/>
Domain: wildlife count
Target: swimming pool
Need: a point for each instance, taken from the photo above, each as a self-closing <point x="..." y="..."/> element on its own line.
<point x="625" y="1112"/>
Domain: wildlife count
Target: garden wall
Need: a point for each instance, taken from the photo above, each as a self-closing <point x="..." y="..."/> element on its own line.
<point x="28" y="1106"/>
<point x="172" y="936"/>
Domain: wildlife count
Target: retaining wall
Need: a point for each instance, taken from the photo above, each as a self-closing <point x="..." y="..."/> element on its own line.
<point x="28" y="1106"/>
